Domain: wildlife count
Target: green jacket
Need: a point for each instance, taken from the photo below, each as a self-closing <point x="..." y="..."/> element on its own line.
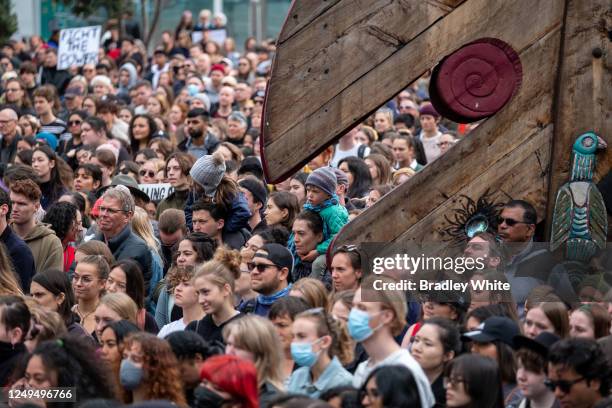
<point x="334" y="218"/>
<point x="176" y="200"/>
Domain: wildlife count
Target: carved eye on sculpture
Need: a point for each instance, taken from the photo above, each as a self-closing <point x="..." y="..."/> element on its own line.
<point x="588" y="141"/>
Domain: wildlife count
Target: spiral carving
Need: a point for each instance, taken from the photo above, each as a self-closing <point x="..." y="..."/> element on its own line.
<point x="476" y="81"/>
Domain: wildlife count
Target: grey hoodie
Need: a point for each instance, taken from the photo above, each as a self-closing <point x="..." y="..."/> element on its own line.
<point x="131" y="69"/>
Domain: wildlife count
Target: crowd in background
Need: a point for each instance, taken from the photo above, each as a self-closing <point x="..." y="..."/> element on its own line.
<point x="225" y="293"/>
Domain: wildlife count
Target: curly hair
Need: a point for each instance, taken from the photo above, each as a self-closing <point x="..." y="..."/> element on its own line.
<point x="71" y="358"/>
<point x="178" y="274"/>
<point x="62" y="217"/>
<point x="162" y="379"/>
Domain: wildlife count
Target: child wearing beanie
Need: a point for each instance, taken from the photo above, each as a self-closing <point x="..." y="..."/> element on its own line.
<point x="212" y="184"/>
<point x="321" y="198"/>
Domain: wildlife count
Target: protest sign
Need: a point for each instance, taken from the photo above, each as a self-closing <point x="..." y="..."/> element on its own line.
<point x="197" y="36"/>
<point x="217" y="35"/>
<point x="157" y="192"/>
<point x="78" y="46"/>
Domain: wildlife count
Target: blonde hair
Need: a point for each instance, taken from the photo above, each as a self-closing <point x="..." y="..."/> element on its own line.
<point x="400" y="172"/>
<point x="393" y="300"/>
<point x="313" y="291"/>
<point x="341" y="345"/>
<point x="9" y="281"/>
<point x="258" y="336"/>
<point x="142" y="227"/>
<point x="158" y="163"/>
<point x="121" y="304"/>
<point x="46" y="324"/>
<point x="223" y="269"/>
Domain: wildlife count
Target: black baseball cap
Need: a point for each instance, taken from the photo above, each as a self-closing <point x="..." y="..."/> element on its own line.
<point x="495" y="328"/>
<point x="540" y="344"/>
<point x="277" y="254"/>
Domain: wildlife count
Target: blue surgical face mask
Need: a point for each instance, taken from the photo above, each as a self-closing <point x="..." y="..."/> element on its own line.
<point x="130" y="375"/>
<point x="303" y="355"/>
<point x="193" y="89"/>
<point x="359" y="325"/>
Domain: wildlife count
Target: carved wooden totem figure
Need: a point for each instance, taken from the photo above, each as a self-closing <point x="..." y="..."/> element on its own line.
<point x="539" y="71"/>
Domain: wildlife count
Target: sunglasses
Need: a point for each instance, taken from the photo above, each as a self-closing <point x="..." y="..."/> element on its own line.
<point x="260" y="267"/>
<point x="74" y="122"/>
<point x="510" y="222"/>
<point x="149" y="173"/>
<point x="564" y="385"/>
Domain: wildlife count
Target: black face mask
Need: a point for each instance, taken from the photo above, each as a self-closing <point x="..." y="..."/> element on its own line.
<point x="207" y="398"/>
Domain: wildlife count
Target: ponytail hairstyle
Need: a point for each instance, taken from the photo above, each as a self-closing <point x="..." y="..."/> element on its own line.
<point x="100" y="263"/>
<point x="341" y="345"/>
<point x="223" y="269"/>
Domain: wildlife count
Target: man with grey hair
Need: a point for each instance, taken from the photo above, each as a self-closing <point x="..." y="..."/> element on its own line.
<point x="236" y="127"/>
<point x="116" y="212"/>
<point x="8" y="131"/>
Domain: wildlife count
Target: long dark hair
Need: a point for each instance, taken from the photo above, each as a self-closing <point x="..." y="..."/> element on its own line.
<point x="396" y="386"/>
<point x="362" y="179"/>
<point x="135" y="144"/>
<point x="57" y="187"/>
<point x="135" y="286"/>
<point x="57" y="282"/>
<point x="285" y="200"/>
<point x="481" y="379"/>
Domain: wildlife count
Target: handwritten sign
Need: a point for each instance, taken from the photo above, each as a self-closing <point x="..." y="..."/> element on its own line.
<point x="217" y="35"/>
<point x="78" y="46"/>
<point x="157" y="192"/>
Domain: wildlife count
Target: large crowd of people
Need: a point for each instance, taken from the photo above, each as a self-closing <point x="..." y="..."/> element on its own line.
<point x="228" y="292"/>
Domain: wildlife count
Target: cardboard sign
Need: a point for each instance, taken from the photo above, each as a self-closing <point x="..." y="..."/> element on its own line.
<point x="197" y="36"/>
<point x="157" y="192"/>
<point x="217" y="35"/>
<point x="78" y="46"/>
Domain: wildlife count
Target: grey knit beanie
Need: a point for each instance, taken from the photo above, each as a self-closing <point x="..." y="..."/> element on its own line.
<point x="323" y="178"/>
<point x="208" y="172"/>
<point x="341" y="177"/>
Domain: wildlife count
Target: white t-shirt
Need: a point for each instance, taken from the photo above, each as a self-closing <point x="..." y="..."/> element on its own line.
<point x="177" y="325"/>
<point x="430" y="144"/>
<point x="400" y="357"/>
<point x="341" y="154"/>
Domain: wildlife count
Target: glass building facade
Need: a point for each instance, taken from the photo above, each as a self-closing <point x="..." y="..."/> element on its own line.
<point x="258" y="18"/>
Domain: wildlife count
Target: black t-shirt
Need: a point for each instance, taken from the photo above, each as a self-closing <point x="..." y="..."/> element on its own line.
<point x="209" y="330"/>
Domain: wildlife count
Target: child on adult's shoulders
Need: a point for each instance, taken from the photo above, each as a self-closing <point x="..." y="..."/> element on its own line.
<point x="321" y="198"/>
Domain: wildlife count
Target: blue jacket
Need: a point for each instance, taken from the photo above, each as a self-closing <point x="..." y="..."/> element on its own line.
<point x="237" y="218"/>
<point x="127" y="245"/>
<point x="21" y="256"/>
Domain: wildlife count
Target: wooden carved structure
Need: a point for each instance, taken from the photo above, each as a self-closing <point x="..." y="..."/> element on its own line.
<point x="339" y="60"/>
